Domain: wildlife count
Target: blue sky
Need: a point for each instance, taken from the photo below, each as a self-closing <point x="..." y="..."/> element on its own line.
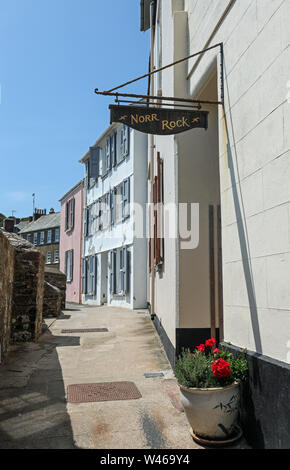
<point x="53" y="54"/>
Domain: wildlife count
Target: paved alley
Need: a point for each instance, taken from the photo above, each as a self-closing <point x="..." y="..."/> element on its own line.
<point x="34" y="412"/>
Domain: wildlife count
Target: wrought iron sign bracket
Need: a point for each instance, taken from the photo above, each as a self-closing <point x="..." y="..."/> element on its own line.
<point x="175" y="100"/>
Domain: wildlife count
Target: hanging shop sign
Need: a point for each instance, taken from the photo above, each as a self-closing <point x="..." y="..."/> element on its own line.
<point x="160" y="121"/>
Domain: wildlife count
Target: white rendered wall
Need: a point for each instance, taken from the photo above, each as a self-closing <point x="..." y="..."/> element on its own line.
<point x="122" y="234"/>
<point x="254" y="163"/>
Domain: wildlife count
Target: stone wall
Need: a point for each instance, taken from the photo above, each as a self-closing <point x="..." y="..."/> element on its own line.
<point x="26" y="320"/>
<point x="6" y="290"/>
<point x="57" y="279"/>
<point x="52" y="300"/>
<point x="21" y="290"/>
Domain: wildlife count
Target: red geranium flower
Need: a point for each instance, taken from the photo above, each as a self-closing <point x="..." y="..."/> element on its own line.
<point x="216" y="351"/>
<point x="210" y="342"/>
<point x="201" y="347"/>
<point x="221" y="368"/>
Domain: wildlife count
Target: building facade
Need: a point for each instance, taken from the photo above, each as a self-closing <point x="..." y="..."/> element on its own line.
<point x="71" y="240"/>
<point x="44" y="233"/>
<point x="236" y="281"/>
<point x="114" y="250"/>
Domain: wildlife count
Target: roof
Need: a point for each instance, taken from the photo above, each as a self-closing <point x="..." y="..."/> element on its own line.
<point x="22" y="224"/>
<point x="72" y="189"/>
<point x="44" y="222"/>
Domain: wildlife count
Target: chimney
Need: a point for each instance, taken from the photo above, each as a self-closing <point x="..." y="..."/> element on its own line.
<point x="38" y="213"/>
<point x="51" y="211"/>
<point x="8" y="225"/>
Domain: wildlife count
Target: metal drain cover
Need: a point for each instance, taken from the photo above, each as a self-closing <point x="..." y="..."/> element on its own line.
<point x="105" y="391"/>
<point x="153" y="375"/>
<point x="86" y="330"/>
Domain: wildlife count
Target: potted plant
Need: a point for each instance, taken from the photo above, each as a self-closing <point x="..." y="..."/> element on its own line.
<point x="209" y="381"/>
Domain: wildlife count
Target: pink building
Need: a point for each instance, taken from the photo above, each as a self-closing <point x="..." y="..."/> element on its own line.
<point x="71" y="240"/>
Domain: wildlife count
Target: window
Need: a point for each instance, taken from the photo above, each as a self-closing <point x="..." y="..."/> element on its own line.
<point x="56" y="235"/>
<point x="70" y="214"/>
<point x="56" y="256"/>
<point x="29" y="237"/>
<point x="48" y="257"/>
<point x="106" y="211"/>
<point x="35" y="237"/>
<point x="69" y="265"/>
<point x="48" y="239"/>
<point x="41" y="238"/>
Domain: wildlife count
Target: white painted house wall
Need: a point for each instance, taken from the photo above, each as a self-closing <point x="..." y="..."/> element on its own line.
<point x="100" y="243"/>
<point x="254" y="160"/>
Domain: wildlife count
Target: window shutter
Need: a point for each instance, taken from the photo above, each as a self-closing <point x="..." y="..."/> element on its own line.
<point x="112" y="206"/>
<point x="87" y="275"/>
<point x="65" y="265"/>
<point x="125" y="140"/>
<point x="126" y="198"/>
<point x="124" y="270"/>
<point x="108" y="154"/>
<point x="72" y="211"/>
<point x="114" y="149"/>
<point x="94" y="162"/>
<point x="71" y="265"/>
<point x="83" y="276"/>
<point x="112" y="272"/>
<point x="87" y="179"/>
<point x="93" y="275"/>
<point x="66" y="216"/>
<point x="85" y="222"/>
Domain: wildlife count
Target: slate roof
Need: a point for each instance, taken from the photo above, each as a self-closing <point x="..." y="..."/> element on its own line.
<point x="44" y="222"/>
<point x="22" y="224"/>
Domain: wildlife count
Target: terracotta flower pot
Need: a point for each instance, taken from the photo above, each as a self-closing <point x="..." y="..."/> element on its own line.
<point x="212" y="412"/>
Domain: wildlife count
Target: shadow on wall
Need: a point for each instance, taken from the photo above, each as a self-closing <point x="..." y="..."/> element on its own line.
<point x="33" y="411"/>
<point x="242" y="226"/>
<point x="251" y="423"/>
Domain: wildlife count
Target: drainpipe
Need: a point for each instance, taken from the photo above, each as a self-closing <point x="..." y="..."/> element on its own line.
<point x="81" y="241"/>
<point x="152" y="24"/>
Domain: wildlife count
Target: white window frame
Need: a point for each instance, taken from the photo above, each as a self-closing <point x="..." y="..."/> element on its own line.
<point x="56" y="256"/>
<point x="56" y="238"/>
<point x="41" y="240"/>
<point x="48" y="257"/>
<point x="49" y="236"/>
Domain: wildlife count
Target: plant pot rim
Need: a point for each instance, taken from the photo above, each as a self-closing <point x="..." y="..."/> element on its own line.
<point x="216" y="389"/>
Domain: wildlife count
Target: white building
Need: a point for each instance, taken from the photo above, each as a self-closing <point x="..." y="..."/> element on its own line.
<point x="242" y="165"/>
<point x="114" y="248"/>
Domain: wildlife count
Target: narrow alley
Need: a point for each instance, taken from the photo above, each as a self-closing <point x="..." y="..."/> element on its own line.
<point x="34" y="408"/>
